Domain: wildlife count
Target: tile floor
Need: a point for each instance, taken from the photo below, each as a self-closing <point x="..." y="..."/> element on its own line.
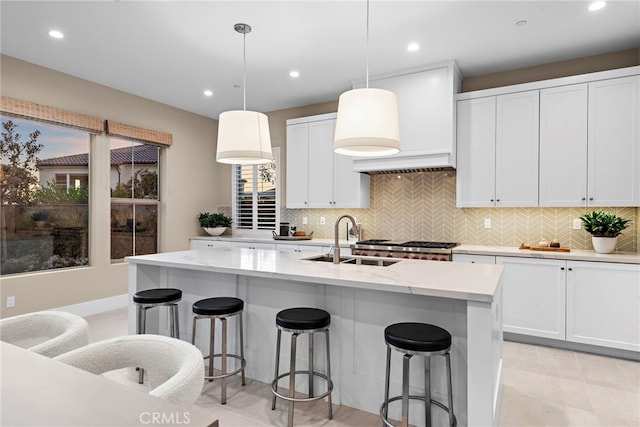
<point x="541" y="387"/>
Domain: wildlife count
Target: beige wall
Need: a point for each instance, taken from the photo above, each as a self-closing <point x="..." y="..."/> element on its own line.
<point x="189" y="182"/>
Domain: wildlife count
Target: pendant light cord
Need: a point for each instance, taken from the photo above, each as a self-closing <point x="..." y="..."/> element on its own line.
<point x="367" y="44"/>
<point x="244" y="71"/>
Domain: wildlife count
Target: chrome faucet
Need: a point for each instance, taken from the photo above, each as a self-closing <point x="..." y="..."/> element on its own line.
<point x="336" y="249"/>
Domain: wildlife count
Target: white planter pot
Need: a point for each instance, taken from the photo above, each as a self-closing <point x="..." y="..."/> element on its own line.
<point x="604" y="245"/>
<point x="215" y="231"/>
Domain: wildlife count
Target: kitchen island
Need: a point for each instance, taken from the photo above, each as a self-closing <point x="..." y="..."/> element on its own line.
<point x="465" y="299"/>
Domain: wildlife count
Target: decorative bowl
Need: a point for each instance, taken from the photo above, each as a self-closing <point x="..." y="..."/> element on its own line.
<point x="214" y="231"/>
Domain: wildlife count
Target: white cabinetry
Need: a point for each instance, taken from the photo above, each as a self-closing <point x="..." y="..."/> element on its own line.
<point x="590" y="144"/>
<point x="204" y="244"/>
<point x="302" y="249"/>
<point x="316" y="176"/>
<point x="534" y="296"/>
<point x="603" y="304"/>
<point x="498" y="151"/>
<point x="474" y="259"/>
<point x="253" y="245"/>
<point x="563" y="146"/>
<point x="426" y="112"/>
<point x="614" y="142"/>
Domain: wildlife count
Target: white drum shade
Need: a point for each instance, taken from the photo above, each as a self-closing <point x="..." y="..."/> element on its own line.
<point x="367" y="123"/>
<point x="243" y="138"/>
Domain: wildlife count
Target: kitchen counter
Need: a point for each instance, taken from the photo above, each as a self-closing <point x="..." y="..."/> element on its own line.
<point x="574" y="255"/>
<point x="363" y="300"/>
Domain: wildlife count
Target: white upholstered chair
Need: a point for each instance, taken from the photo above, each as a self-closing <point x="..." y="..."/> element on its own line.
<point x="49" y="333"/>
<point x="179" y="362"/>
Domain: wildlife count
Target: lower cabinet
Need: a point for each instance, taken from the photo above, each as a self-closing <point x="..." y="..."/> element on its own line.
<point x="603" y="304"/>
<point x="474" y="259"/>
<point x="204" y="244"/>
<point x="252" y="245"/>
<point x="310" y="249"/>
<point x="534" y="296"/>
<point x="594" y="303"/>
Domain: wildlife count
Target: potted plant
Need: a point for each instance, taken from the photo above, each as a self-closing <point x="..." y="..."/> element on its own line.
<point x="40" y="218"/>
<point x="214" y="223"/>
<point x="604" y="229"/>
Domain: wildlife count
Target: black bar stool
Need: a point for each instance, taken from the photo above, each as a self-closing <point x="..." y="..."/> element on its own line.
<point x="417" y="339"/>
<point x="298" y="321"/>
<point x="220" y="308"/>
<point x="144" y="300"/>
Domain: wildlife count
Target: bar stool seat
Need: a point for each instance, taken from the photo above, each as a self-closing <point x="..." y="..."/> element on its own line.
<point x="302" y="320"/>
<point x="417" y="339"/>
<point x="220" y="308"/>
<point x="159" y="297"/>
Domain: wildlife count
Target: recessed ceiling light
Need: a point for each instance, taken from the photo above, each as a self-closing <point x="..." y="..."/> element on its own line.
<point x="412" y="47"/>
<point x="56" y="34"/>
<point x="597" y="5"/>
<point x="522" y="23"/>
<point x="294" y="74"/>
<point x="208" y="92"/>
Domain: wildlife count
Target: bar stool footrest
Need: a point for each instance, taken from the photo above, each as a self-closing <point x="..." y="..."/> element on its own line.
<point x="414" y="397"/>
<point x="302" y="399"/>
<point x="243" y="363"/>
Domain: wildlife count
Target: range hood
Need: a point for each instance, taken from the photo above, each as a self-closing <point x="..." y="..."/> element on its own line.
<point x="407" y="163"/>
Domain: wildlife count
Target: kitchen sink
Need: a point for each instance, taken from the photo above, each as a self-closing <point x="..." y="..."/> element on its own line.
<point x="352" y="260"/>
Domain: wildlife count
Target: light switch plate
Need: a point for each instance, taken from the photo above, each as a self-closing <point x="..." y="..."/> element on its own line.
<point x="577" y="224"/>
<point x="11" y="302"/>
<point x="305" y="220"/>
<point x="487" y="223"/>
<point x="322" y="221"/>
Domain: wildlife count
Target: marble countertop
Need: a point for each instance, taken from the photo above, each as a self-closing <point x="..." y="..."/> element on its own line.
<point x="469" y="282"/>
<point x="574" y="255"/>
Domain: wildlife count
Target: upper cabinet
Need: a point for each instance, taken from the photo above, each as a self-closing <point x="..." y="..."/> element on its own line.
<point x="316" y="176"/>
<point x="498" y="151"/>
<point x="573" y="141"/>
<point x="426" y="113"/>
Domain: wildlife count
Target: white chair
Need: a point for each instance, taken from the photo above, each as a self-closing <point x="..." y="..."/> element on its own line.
<point x="49" y="333"/>
<point x="178" y="361"/>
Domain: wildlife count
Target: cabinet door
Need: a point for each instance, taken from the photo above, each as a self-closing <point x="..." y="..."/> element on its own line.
<point x="517" y="125"/>
<point x="476" y="139"/>
<point x="614" y="142"/>
<point x="533" y="296"/>
<point x="204" y="244"/>
<point x="563" y="146"/>
<point x="297" y="190"/>
<point x="321" y="163"/>
<point x="251" y="245"/>
<point x="603" y="304"/>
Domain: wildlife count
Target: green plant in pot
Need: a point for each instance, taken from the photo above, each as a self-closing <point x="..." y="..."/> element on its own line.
<point x="604" y="229"/>
<point x="214" y="223"/>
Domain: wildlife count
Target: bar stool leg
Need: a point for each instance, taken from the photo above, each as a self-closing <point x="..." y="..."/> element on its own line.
<point x="241" y="347"/>
<point x="223" y="362"/>
<point x="193" y="331"/>
<point x="273" y="401"/>
<point x="427" y="390"/>
<point x="329" y="374"/>
<point x="311" y="364"/>
<point x="142" y="317"/>
<point x="292" y="376"/>
<point x="451" y="416"/>
<point x="175" y="332"/>
<point x="385" y="410"/>
<point x="212" y="341"/>
<point x="405" y="390"/>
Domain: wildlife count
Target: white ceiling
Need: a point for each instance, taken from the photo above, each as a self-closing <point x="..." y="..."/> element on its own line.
<point x="171" y="51"/>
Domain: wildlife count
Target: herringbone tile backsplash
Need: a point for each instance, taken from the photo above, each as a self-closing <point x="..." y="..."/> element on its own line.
<point x="421" y="206"/>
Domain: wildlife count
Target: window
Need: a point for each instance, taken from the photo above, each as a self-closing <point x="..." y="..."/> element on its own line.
<point x="44" y="186"/>
<point x="256" y="202"/>
<point x="134" y="198"/>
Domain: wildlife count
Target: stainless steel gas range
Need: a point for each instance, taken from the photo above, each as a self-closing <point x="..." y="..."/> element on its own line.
<point x="414" y="249"/>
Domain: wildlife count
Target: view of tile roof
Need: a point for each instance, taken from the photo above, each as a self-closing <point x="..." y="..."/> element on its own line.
<point x="142" y="154"/>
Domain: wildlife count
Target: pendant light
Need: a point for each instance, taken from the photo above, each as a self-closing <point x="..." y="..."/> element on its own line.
<point x="243" y="136"/>
<point x="367" y="123"/>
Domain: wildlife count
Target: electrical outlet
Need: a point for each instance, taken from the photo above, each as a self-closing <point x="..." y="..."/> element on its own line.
<point x="487" y="223"/>
<point x="305" y="220"/>
<point x="577" y="224"/>
<point x="322" y="220"/>
<point x="11" y="302"/>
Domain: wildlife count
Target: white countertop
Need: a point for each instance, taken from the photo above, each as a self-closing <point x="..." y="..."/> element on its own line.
<point x="574" y="255"/>
<point x="469" y="282"/>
